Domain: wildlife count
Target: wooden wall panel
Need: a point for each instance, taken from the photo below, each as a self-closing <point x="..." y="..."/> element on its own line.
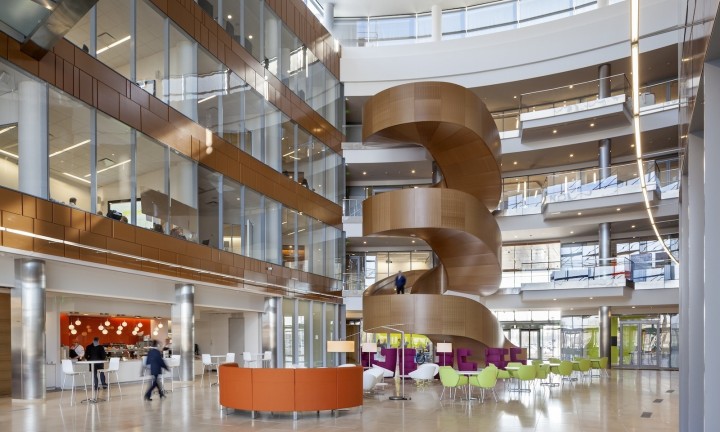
<point x="5" y="353"/>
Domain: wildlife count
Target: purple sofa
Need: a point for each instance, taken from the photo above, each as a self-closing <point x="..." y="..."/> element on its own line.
<point x="463" y="364"/>
<point x="518" y="355"/>
<point x="496" y="356"/>
<point x="390" y="362"/>
<point x="407" y="361"/>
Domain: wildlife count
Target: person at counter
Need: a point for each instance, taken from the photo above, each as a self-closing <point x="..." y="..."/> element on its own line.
<point x="155" y="362"/>
<point x="95" y="351"/>
<point x="76" y="351"/>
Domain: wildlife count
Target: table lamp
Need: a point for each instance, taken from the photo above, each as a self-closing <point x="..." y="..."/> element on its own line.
<point x="369" y="347"/>
<point x="444" y="347"/>
<point x="340" y="346"/>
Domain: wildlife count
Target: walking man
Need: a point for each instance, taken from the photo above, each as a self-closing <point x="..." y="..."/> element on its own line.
<point x="155" y="362"/>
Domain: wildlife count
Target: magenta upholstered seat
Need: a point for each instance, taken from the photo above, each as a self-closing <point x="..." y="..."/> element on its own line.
<point x="446" y="359"/>
<point x="390" y="362"/>
<point x="463" y="364"/>
<point x="515" y="355"/>
<point x="407" y="361"/>
<point x="496" y="356"/>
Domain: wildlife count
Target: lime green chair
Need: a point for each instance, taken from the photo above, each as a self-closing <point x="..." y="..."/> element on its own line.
<point x="599" y="365"/>
<point x="537" y="362"/>
<point x="554" y="360"/>
<point x="542" y="373"/>
<point x="582" y="367"/>
<point x="504" y="374"/>
<point x="485" y="380"/>
<point x="451" y="379"/>
<point x="564" y="370"/>
<point x="525" y="373"/>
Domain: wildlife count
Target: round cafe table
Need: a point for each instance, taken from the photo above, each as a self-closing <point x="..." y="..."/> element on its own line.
<point x="92" y="363"/>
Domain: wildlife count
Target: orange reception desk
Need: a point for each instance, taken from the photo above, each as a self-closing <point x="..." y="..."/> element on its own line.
<point x="265" y="389"/>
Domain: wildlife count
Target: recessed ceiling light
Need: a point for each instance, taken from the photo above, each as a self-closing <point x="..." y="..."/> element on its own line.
<point x="572" y="155"/>
<point x="632" y="145"/>
<point x="591" y="298"/>
<point x="364" y="172"/>
<point x="249" y="36"/>
<point x="592" y="124"/>
<point x="633" y="307"/>
<point x="572" y="308"/>
<point x="229" y="16"/>
<point x="618" y="209"/>
<point x="413" y="241"/>
<point x="632" y="226"/>
<point x="570" y="86"/>
<point x="514" y="97"/>
<point x="515" y="163"/>
<point x="554" y="299"/>
<point x="554" y="131"/>
<point x="572" y="232"/>
<point x="515" y="236"/>
<point x="579" y="213"/>
<point x="412" y="171"/>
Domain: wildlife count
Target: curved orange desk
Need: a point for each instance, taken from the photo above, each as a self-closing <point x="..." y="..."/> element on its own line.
<point x="266" y="389"/>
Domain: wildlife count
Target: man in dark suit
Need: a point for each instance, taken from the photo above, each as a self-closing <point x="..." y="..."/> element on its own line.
<point x="95" y="351"/>
<point x="156" y="364"/>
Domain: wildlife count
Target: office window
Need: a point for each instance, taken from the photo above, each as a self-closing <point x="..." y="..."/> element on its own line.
<point x="79" y="34"/>
<point x="254" y="123"/>
<point x="303" y="333"/>
<point x="252" y="39"/>
<point x="9" y="155"/>
<point x="114" y="167"/>
<point x="150" y="73"/>
<point x="273" y="218"/>
<point x="288" y="148"/>
<point x="291" y="59"/>
<point x="318" y="247"/>
<point x="212" y="84"/>
<point x="183" y="73"/>
<point x="304" y="247"/>
<point x="232" y="112"/>
<point x="331" y="331"/>
<point x="153" y="210"/>
<point x="254" y="224"/>
<point x="288" y="315"/>
<point x="273" y="26"/>
<point x="113" y="40"/>
<point x="69" y="149"/>
<point x="318" y="336"/>
<point x="232" y="216"/>
<point x="209" y="187"/>
<point x="273" y="133"/>
<point x="183" y="197"/>
<point x="333" y="251"/>
<point x="303" y="156"/>
<point x="231" y="16"/>
<point x="289" y="237"/>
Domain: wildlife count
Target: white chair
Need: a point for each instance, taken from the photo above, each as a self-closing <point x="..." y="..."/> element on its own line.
<point x="68" y="370"/>
<point x="267" y="358"/>
<point x="387" y="373"/>
<point x="247" y="359"/>
<point x="379" y="375"/>
<point x="207" y="363"/>
<point x="113" y="367"/>
<point x="230" y="358"/>
<point x="172" y="363"/>
<point x="424" y="374"/>
<point x="369" y="381"/>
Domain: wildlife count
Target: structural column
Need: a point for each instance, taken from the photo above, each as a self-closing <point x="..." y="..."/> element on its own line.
<point x="436" y="15"/>
<point x="329" y="16"/>
<point x="27" y="315"/>
<point x="270" y="330"/>
<point x="187" y="66"/>
<point x="604" y="252"/>
<point x="183" y="320"/>
<point x="605" y="327"/>
<point x="711" y="267"/>
<point x="32" y="138"/>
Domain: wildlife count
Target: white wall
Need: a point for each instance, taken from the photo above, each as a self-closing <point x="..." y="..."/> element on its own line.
<point x="565" y="44"/>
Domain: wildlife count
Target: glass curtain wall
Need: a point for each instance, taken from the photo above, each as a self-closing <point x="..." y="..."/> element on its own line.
<point x="307" y="326"/>
<point x="169" y="64"/>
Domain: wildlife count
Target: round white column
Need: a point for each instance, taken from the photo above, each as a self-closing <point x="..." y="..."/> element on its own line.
<point x="436" y="14"/>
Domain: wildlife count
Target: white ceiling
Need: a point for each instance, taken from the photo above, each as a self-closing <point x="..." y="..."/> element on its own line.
<point x="357" y="8"/>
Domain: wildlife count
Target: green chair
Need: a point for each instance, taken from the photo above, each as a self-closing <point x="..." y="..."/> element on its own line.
<point x="543" y="372"/>
<point x="599" y="365"/>
<point x="554" y="360"/>
<point x="525" y="373"/>
<point x="485" y="380"/>
<point x="504" y="374"/>
<point x="537" y="362"/>
<point x="582" y="367"/>
<point x="564" y="370"/>
<point x="451" y="379"/>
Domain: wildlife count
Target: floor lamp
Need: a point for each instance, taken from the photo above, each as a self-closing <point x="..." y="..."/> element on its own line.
<point x="402" y="363"/>
<point x="340" y="346"/>
<point x="444" y="348"/>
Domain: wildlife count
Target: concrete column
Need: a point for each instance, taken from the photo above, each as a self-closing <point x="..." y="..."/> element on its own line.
<point x="684" y="291"/>
<point x="712" y="239"/>
<point x="604" y="252"/>
<point x="187" y="66"/>
<point x="329" y="16"/>
<point x="436" y="15"/>
<point x="33" y="138"/>
<point x="605" y="316"/>
<point x="27" y="324"/>
<point x="183" y="326"/>
<point x="694" y="343"/>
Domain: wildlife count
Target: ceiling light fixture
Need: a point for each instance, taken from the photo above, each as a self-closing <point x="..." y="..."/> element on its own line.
<point x="592" y="124"/>
<point x="515" y="163"/>
<point x="110" y="167"/>
<point x="554" y="131"/>
<point x="579" y="213"/>
<point x="2" y="131"/>
<point x="77" y="178"/>
<point x="572" y="155"/>
<point x="635" y="57"/>
<point x="69" y="148"/>
<point x="206" y="99"/>
<point x="364" y="172"/>
<point x="12" y="155"/>
<point x="113" y="45"/>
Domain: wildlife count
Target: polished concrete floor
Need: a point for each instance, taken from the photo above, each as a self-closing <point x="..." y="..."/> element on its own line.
<point x="628" y="401"/>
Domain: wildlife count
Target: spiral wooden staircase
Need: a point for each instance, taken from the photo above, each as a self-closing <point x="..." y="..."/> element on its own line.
<point x="454" y="217"/>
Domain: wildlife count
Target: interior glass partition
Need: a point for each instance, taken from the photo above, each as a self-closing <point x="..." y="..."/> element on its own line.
<point x="288" y="314"/>
<point x="304" y="340"/>
<point x="152" y="182"/>
<point x="113" y="41"/>
<point x="232" y="216"/>
<point x="317" y="334"/>
<point x="113" y="167"/>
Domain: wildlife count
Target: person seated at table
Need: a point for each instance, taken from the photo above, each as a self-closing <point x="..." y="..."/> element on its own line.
<point x="95" y="351"/>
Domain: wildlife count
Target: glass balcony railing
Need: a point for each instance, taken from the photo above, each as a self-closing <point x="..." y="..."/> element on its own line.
<point x="573" y="98"/>
<point x="457" y="23"/>
<point x="591" y="183"/>
<point x="352" y="206"/>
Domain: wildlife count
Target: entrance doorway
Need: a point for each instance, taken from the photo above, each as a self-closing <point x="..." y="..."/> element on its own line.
<point x="530" y="340"/>
<point x="639" y="344"/>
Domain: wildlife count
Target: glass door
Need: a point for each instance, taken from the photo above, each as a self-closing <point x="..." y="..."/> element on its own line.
<point x="638" y="344"/>
<point x="530" y="339"/>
